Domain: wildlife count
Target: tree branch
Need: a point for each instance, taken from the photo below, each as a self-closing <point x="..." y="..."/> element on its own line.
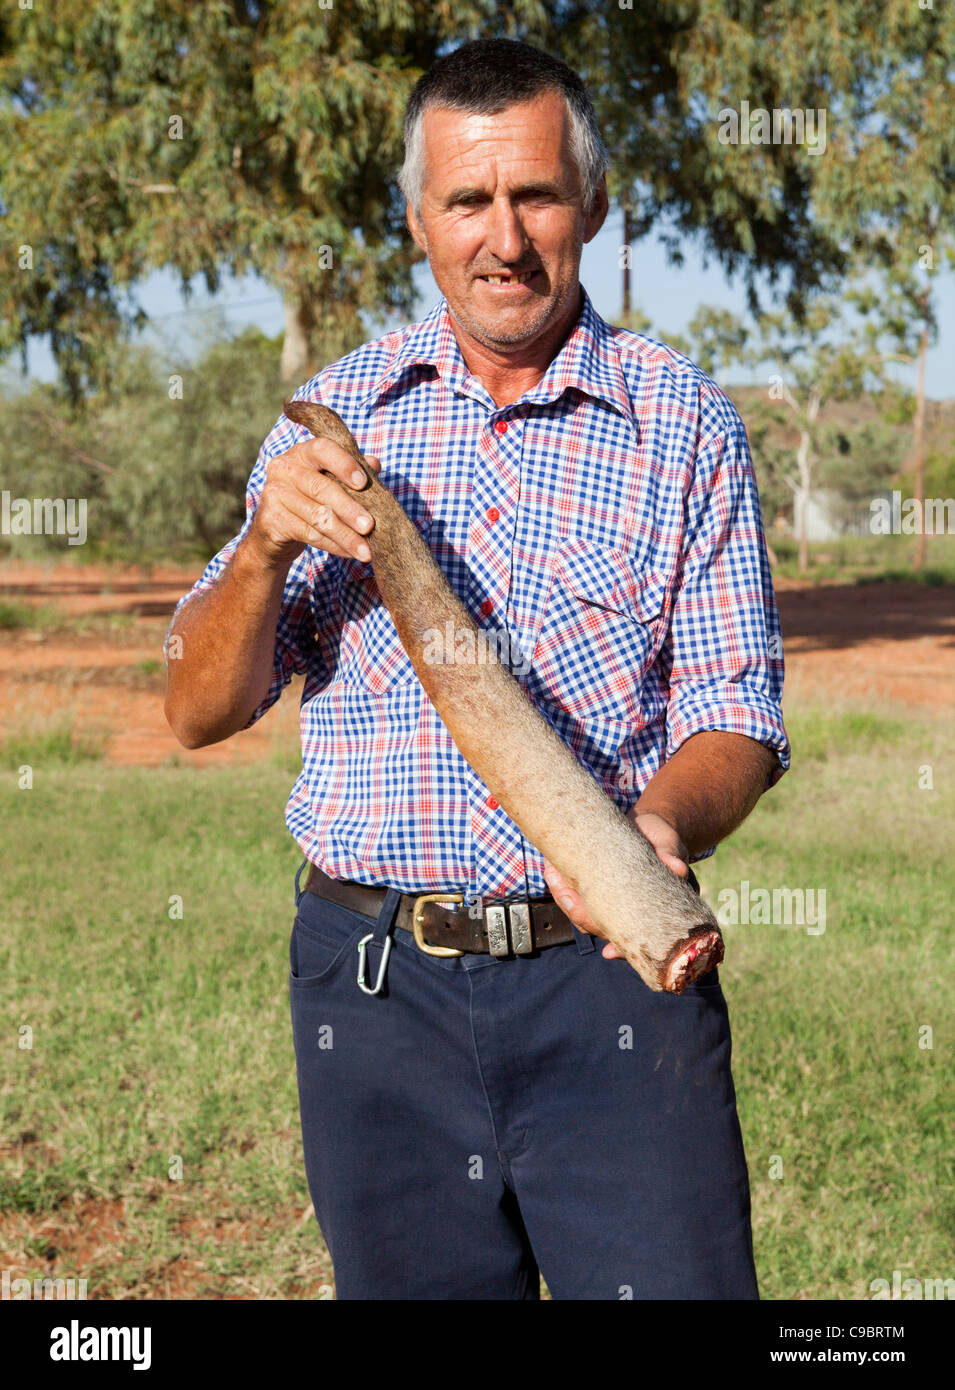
<point x="78" y="455"/>
<point x="141" y="184"/>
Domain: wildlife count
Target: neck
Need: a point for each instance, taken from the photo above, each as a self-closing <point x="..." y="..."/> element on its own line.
<point x="507" y="373"/>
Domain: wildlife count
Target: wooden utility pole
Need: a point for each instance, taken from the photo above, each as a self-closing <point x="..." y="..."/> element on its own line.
<point x="919" y="438"/>
<point x="626" y="260"/>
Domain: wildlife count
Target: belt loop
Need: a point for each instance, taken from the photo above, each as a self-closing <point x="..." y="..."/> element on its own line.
<point x="585" y="942"/>
<point x="381" y="936"/>
<point x="386" y="915"/>
<point x="305" y="864"/>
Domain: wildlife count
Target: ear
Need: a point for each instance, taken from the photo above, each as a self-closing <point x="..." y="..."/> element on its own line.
<point x="414" y="227"/>
<point x="598" y="212"/>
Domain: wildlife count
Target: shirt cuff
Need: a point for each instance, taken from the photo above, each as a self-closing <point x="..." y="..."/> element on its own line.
<point x="722" y="709"/>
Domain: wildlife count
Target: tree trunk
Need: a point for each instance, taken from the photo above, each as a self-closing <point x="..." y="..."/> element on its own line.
<point x="919" y="446"/>
<point x="297" y="363"/>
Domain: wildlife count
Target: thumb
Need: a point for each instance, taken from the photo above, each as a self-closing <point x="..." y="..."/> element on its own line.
<point x="673" y="861"/>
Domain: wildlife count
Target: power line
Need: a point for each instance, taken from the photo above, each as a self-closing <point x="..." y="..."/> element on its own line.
<point x="214" y="304"/>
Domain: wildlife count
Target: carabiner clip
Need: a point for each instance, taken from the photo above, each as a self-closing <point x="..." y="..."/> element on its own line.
<point x="363" y="964"/>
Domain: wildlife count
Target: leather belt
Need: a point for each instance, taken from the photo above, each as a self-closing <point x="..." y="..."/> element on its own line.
<point x="442" y="925"/>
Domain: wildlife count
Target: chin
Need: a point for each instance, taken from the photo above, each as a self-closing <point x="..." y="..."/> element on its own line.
<point x="508" y="328"/>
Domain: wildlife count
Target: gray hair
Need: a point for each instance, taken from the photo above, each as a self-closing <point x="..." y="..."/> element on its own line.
<point x="484" y="78"/>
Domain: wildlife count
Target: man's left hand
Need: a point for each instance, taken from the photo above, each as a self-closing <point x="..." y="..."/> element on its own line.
<point x="670" y="849"/>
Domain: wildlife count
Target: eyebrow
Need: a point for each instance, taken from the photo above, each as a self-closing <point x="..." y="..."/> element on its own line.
<point x="466" y="194"/>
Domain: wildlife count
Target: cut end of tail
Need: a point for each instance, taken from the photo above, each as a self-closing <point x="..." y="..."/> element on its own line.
<point x="691" y="959"/>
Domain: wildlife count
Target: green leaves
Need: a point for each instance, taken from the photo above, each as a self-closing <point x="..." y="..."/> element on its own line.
<point x="163" y="455"/>
<point x="238" y="137"/>
<point x="206" y="138"/>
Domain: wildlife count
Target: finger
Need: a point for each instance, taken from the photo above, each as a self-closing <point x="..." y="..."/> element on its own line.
<point x="325" y="488"/>
<point x="667" y="845"/>
<point x="674" y="862"/>
<point x="323" y="503"/>
<point x="569" y="900"/>
<point x="324" y="526"/>
<point x="322" y="488"/>
<point x="562" y="893"/>
<point x="325" y="454"/>
<point x="554" y="878"/>
<point x="573" y="905"/>
<point x="281" y="525"/>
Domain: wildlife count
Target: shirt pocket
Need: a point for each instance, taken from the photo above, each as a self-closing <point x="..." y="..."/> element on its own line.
<point x="370" y="653"/>
<point x="602" y="628"/>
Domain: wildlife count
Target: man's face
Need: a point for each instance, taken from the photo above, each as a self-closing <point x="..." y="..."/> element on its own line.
<point x="502" y="197"/>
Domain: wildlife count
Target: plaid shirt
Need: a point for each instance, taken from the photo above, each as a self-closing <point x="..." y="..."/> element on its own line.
<point x="605" y="527"/>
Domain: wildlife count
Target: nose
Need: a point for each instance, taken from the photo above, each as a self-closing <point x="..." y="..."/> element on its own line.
<point x="506" y="238"/>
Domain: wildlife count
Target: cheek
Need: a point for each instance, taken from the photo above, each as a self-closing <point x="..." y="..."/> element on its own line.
<point x="456" y="243"/>
<point x="567" y="226"/>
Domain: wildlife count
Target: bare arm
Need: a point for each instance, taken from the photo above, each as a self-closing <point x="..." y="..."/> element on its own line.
<point x="700" y="796"/>
<point x="227" y="645"/>
<point x="227" y="633"/>
<point x="708" y="787"/>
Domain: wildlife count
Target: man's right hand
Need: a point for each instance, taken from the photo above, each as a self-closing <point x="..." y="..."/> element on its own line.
<point x="227" y="649"/>
<point x="303" y="503"/>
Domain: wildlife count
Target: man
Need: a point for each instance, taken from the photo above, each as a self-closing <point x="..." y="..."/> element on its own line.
<point x="470" y="1119"/>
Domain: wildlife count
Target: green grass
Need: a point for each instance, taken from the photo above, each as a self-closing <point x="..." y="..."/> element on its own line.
<point x="108" y="624"/>
<point x="53" y="744"/>
<point x="932" y="578"/>
<point x="829" y="1072"/>
<point x="867" y="560"/>
<point x="821" y="734"/>
<point x="14" y="616"/>
<point x="155" y="1036"/>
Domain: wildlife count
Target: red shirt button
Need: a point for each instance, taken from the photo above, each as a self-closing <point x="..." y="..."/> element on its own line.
<point x="492" y="803"/>
<point x="487" y="607"/>
<point x="501" y="426"/>
<point x="493" y="514"/>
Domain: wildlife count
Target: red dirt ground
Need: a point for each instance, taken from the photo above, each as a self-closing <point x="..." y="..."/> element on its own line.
<point x="863" y="644"/>
<point x="107" y="675"/>
<point x="81" y="1238"/>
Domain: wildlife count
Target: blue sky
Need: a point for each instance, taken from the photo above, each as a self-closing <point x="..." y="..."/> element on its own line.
<point x="669" y="295"/>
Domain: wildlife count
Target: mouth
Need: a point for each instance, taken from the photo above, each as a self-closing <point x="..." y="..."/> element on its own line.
<point x="507" y="279"/>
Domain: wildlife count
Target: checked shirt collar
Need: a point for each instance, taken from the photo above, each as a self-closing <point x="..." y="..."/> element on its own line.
<point x="587" y="362"/>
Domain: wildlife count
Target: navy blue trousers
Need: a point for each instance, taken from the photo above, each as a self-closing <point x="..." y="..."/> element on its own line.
<point x="484" y="1120"/>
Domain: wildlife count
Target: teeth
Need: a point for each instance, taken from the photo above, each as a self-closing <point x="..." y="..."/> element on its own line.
<point x="507" y="279"/>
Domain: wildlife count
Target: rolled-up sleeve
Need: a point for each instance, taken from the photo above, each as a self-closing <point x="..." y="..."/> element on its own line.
<point x="294" y="621"/>
<point x="724" y="650"/>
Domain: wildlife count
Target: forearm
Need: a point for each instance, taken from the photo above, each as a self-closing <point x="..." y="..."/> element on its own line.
<point x="224" y="664"/>
<point x="708" y="787"/>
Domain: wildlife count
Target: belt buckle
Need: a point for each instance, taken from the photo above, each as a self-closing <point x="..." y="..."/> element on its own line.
<point x="508" y="928"/>
<point x="418" y="924"/>
<point x="520" y="923"/>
